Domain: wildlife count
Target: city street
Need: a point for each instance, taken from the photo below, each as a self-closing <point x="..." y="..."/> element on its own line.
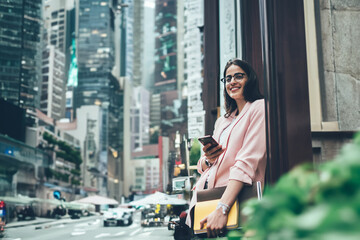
<point x="86" y="228"/>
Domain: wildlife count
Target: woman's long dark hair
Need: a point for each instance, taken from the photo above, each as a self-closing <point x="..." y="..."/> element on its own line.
<point x="251" y="89"/>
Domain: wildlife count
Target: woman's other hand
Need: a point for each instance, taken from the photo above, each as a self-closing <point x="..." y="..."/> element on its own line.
<point x="215" y="223"/>
<point x="212" y="153"/>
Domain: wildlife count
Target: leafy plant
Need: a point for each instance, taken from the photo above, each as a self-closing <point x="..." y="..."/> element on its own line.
<point x="65" y="151"/>
<point x="68" y="153"/>
<point x="311" y="203"/>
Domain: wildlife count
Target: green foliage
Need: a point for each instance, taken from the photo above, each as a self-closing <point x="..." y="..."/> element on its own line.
<point x="68" y="153"/>
<point x="71" y="156"/>
<point x="65" y="152"/>
<point x="195" y="152"/>
<point x="75" y="172"/>
<point x="60" y="176"/>
<point x="312" y="203"/>
<point x="49" y="138"/>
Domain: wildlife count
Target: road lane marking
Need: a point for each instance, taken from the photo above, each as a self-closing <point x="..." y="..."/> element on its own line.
<point x="81" y="225"/>
<point x="102" y="235"/>
<point x="77" y="233"/>
<point x="119" y="234"/>
<point x="78" y="230"/>
<point x="134" y="225"/>
<point x="135" y="232"/>
<point x="145" y="234"/>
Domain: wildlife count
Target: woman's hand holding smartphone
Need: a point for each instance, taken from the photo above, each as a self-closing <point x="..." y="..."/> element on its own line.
<point x="211" y="148"/>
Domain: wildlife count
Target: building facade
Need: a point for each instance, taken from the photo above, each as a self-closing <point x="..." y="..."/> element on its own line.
<point x="135" y="42"/>
<point x="97" y="84"/>
<point x="140" y="133"/>
<point x="193" y="42"/>
<point x="20" y="55"/>
<point x="53" y="83"/>
<point x="165" y="74"/>
<point x="58" y="33"/>
<point x="309" y="116"/>
<point x="95" y="52"/>
<point x="88" y="130"/>
<point x="59" y="24"/>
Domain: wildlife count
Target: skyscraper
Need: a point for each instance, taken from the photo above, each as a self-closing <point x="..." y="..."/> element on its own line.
<point x="165" y="45"/>
<point x="148" y="62"/>
<point x="19" y="56"/>
<point x="53" y="83"/>
<point x="96" y="83"/>
<point x="59" y="23"/>
<point x="59" y="31"/>
<point x="138" y="41"/>
<point x="95" y="50"/>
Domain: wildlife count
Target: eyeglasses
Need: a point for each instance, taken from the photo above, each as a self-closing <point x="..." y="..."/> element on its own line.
<point x="237" y="76"/>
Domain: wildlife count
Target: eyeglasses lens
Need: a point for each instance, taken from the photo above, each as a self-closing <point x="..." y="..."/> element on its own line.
<point x="237" y="77"/>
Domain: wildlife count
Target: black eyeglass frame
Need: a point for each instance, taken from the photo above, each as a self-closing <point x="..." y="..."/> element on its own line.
<point x="241" y="75"/>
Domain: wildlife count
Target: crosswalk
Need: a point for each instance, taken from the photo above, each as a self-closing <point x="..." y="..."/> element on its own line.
<point x="87" y="229"/>
<point x="134" y="231"/>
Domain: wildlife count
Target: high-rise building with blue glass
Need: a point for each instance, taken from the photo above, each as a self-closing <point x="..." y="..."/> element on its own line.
<point x="95" y="49"/>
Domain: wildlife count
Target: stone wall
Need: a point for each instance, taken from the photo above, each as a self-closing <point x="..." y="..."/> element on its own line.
<point x="340" y="76"/>
<point x="327" y="145"/>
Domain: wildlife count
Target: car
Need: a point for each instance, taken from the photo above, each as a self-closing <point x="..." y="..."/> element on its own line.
<point x="151" y="219"/>
<point x="74" y="213"/>
<point x="118" y="217"/>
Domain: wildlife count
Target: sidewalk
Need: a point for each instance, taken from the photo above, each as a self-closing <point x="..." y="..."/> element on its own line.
<point x="37" y="221"/>
<point x="48" y="222"/>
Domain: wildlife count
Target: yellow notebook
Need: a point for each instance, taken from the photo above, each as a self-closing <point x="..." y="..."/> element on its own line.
<point x="203" y="209"/>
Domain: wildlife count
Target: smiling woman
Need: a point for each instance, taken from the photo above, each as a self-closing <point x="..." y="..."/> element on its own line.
<point x="235" y="89"/>
<point x="249" y="82"/>
<point x="240" y="158"/>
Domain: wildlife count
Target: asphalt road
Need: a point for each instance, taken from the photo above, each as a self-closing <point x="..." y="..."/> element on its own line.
<point x="84" y="229"/>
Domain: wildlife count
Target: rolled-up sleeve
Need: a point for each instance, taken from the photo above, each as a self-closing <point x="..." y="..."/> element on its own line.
<point x="253" y="149"/>
<point x="199" y="167"/>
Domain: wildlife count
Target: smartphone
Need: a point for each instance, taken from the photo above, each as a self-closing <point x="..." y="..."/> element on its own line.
<point x="208" y="139"/>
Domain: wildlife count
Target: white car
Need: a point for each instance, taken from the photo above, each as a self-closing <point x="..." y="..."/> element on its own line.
<point x="118" y="217"/>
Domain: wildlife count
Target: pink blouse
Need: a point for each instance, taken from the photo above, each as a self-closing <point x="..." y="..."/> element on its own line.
<point x="245" y="156"/>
